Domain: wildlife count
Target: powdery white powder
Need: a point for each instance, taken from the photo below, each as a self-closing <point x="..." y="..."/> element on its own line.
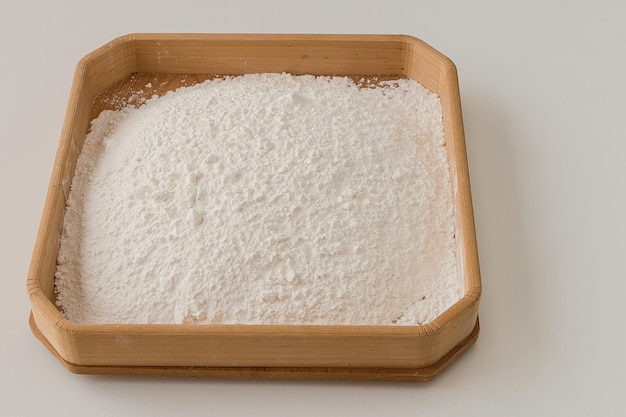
<point x="263" y="199"/>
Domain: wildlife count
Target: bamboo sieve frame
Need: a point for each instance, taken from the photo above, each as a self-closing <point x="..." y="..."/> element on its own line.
<point x="413" y="353"/>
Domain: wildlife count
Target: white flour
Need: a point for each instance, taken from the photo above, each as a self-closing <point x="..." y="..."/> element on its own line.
<point x="263" y="199"/>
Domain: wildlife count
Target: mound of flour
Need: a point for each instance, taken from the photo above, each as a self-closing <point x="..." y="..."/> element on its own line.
<point x="263" y="199"/>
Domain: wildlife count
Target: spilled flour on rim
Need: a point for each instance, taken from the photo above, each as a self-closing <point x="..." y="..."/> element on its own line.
<point x="263" y="199"/>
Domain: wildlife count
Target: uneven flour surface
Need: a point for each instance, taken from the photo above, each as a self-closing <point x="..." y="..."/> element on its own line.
<point x="263" y="199"/>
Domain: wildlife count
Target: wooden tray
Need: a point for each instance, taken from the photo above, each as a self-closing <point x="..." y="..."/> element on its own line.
<point x="415" y="353"/>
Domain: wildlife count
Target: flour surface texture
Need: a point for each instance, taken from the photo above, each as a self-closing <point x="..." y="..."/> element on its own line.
<point x="263" y="199"/>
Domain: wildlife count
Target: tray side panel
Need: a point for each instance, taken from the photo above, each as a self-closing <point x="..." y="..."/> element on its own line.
<point x="318" y="373"/>
<point x="101" y="67"/>
<point x="438" y="73"/>
<point x="240" y="345"/>
<point x="242" y="54"/>
<point x="467" y="248"/>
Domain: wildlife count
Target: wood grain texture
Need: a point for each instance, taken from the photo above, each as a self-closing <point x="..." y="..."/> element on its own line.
<point x="297" y="373"/>
<point x="122" y="67"/>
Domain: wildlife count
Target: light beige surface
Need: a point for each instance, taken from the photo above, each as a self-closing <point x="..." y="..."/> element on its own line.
<point x="542" y="88"/>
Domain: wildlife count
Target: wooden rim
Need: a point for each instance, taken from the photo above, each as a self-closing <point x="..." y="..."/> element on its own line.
<point x="294" y="373"/>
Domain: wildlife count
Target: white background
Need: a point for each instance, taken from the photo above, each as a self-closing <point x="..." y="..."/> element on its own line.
<point x="543" y="93"/>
